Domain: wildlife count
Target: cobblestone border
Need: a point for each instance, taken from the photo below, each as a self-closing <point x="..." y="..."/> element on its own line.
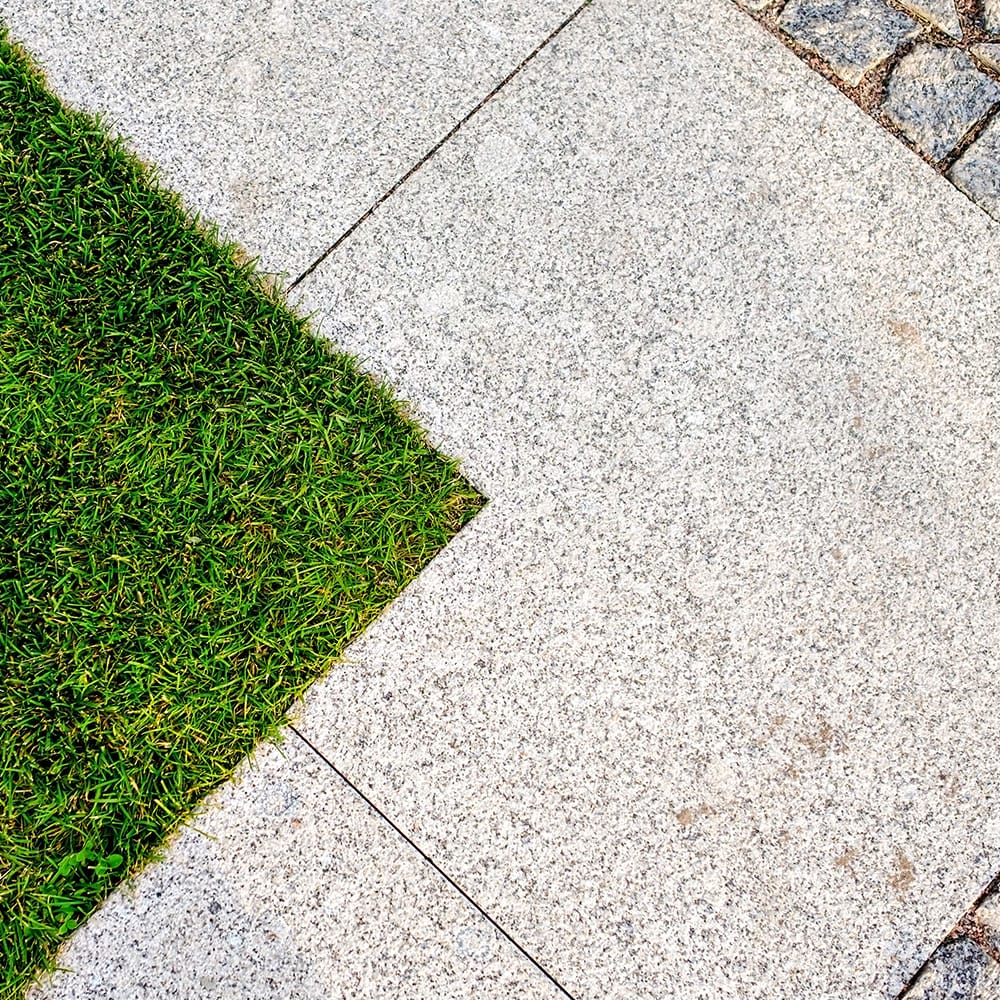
<point x="928" y="71"/>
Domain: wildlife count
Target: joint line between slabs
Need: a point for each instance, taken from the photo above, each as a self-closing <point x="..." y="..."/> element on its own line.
<point x="441" y="142"/>
<point x="430" y="861"/>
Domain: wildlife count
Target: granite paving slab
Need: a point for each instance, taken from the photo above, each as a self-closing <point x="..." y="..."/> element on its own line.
<point x="286" y="885"/>
<point x="925" y="69"/>
<point x="697" y="706"/>
<point x="281" y="120"/>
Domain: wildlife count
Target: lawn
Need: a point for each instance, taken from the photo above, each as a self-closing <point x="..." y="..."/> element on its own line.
<point x="200" y="507"/>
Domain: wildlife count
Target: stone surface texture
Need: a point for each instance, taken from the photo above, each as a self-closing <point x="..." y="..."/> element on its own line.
<point x="991" y="15"/>
<point x="988" y="916"/>
<point x="977" y="171"/>
<point x="695" y="706"/>
<point x="958" y="970"/>
<point x="940" y="13"/>
<point x="281" y="120"/>
<point x="988" y="53"/>
<point x="935" y="96"/>
<point x="852" y="36"/>
<point x="286" y="885"/>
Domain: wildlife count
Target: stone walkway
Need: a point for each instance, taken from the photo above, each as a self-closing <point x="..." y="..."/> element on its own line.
<point x="703" y="703"/>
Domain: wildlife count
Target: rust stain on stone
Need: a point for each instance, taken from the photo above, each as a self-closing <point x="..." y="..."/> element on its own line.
<point x="846" y="861"/>
<point x="905" y="333"/>
<point x="688" y="815"/>
<point x="905" y="874"/>
<point x="822" y="741"/>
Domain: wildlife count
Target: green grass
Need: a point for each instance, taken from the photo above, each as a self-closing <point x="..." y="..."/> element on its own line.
<point x="199" y="508"/>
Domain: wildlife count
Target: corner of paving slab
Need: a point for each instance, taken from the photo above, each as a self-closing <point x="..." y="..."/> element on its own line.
<point x="285" y="885"/>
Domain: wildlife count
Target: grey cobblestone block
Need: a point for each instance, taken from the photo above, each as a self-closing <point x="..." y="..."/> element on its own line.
<point x="935" y="95"/>
<point x="988" y="916"/>
<point x="851" y="36"/>
<point x="940" y="13"/>
<point x="967" y="965"/>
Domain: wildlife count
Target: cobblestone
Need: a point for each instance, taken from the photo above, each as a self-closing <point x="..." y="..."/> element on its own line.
<point x="852" y="36"/>
<point x="988" y="918"/>
<point x="991" y="15"/>
<point x="958" y="970"/>
<point x="966" y="966"/>
<point x="989" y="55"/>
<point x="936" y="95"/>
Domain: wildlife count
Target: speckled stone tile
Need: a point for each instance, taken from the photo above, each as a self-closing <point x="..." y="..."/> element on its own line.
<point x="935" y="95"/>
<point x="697" y="705"/>
<point x="287" y="886"/>
<point x="281" y="120"/>
<point x="852" y="36"/>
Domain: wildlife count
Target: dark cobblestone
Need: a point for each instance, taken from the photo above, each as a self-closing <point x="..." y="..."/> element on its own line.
<point x="851" y="36"/>
<point x="967" y="965"/>
<point x="936" y="95"/>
